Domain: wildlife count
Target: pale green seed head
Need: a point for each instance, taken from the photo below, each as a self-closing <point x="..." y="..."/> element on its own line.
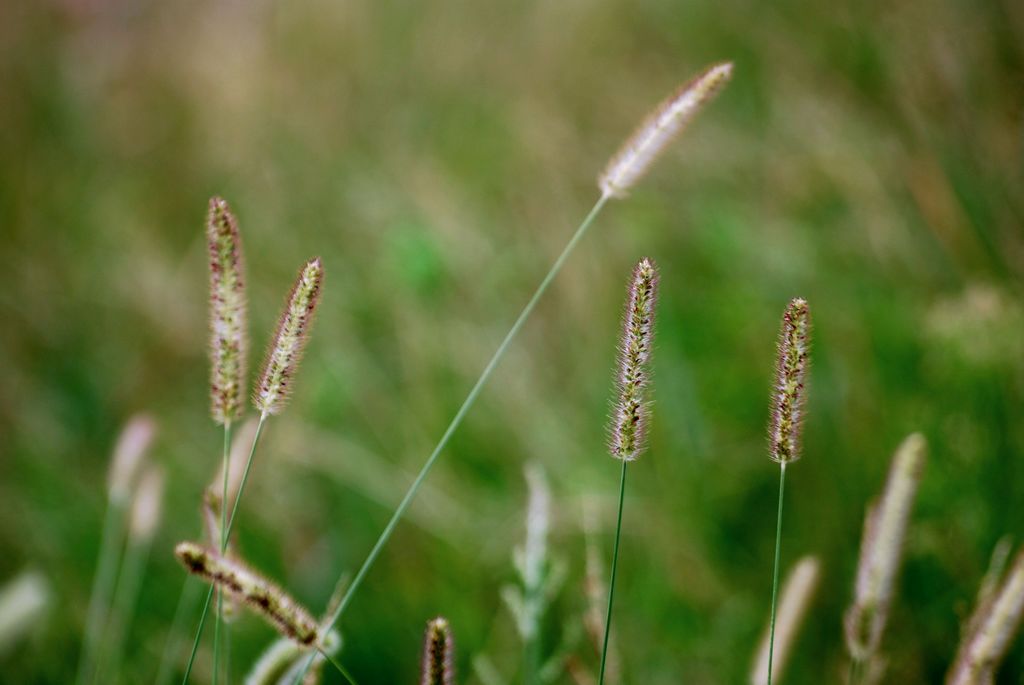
<point x="289" y="340"/>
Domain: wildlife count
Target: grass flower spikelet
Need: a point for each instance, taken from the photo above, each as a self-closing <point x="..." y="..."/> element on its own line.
<point x="660" y="128"/>
<point x="289" y="340"/>
<point x="147" y="505"/>
<point x="881" y="550"/>
<point x="790" y="390"/>
<point x="990" y="631"/>
<point x="290" y="618"/>
<point x="631" y="413"/>
<point x="228" y="335"/>
<point x="132" y="445"/>
<point x="438" y="654"/>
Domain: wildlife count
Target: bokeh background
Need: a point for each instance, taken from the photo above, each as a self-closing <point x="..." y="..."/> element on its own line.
<point x="437" y="155"/>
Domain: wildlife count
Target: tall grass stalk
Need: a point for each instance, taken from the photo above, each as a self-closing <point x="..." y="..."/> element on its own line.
<point x="273" y="388"/>
<point x="788" y="399"/>
<point x="129" y="452"/>
<point x="623" y="171"/>
<point x="775" y="571"/>
<point x="226" y="469"/>
<point x="144" y="520"/>
<point x="172" y="645"/>
<point x="631" y="416"/>
<point x="615" y="569"/>
<point x="461" y="414"/>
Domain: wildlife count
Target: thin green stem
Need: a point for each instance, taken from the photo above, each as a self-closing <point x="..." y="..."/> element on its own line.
<point x="111" y="544"/>
<point x="223" y="525"/>
<point x="186" y="598"/>
<point x="224" y="542"/>
<point x="615" y="568"/>
<point x="119" y="623"/>
<point x="459" y="415"/>
<point x="775" y="573"/>
<point x="337" y="665"/>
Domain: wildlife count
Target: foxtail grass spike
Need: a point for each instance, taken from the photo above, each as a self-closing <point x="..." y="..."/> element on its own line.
<point x="289" y="340"/>
<point x="797" y="594"/>
<point x="147" y="505"/>
<point x="229" y="342"/>
<point x="631" y="414"/>
<point x="290" y="618"/>
<point x="438" y="654"/>
<point x="990" y="631"/>
<point x="791" y="375"/>
<point x="132" y="445"/>
<point x="881" y="550"/>
<point x="660" y="128"/>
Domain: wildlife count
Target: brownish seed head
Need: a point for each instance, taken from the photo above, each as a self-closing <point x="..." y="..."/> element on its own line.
<point x="289" y="340"/>
<point x="791" y="377"/>
<point x="438" y="654"/>
<point x="631" y="414"/>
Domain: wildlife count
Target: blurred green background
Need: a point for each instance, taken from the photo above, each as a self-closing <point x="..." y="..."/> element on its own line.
<point x="437" y="155"/>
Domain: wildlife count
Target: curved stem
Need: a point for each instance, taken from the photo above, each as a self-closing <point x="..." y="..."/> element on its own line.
<point x="224" y="543"/>
<point x="459" y="415"/>
<point x="615" y="568"/>
<point x="223" y="524"/>
<point x="775" y="574"/>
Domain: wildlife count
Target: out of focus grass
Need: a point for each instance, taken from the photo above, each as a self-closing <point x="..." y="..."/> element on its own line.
<point x="867" y="156"/>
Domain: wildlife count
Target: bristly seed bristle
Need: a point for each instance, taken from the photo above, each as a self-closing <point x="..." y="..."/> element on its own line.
<point x="289" y="340"/>
<point x="790" y="383"/>
<point x="632" y="412"/>
<point x="438" y="654"/>
<point x="667" y="121"/>
<point x="279" y="609"/>
<point x="228" y="335"/>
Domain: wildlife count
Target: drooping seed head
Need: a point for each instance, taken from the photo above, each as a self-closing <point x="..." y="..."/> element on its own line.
<point x="438" y="654"/>
<point x="881" y="550"/>
<point x="147" y="506"/>
<point x="289" y="340"/>
<point x="790" y="382"/>
<point x="666" y="122"/>
<point x="632" y="412"/>
<point x="132" y="444"/>
<point x="229" y="342"/>
<point x="990" y="631"/>
<point x="279" y="609"/>
<point x="797" y="592"/>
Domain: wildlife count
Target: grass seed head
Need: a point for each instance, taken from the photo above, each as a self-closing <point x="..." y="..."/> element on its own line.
<point x="632" y="412"/>
<point x="279" y="609"/>
<point x="289" y="340"/>
<point x="990" y="631"/>
<point x="660" y="128"/>
<point x="147" y="505"/>
<point x="132" y="445"/>
<point x="228" y="334"/>
<point x="438" y="654"/>
<point x="881" y="550"/>
<point x="790" y="383"/>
